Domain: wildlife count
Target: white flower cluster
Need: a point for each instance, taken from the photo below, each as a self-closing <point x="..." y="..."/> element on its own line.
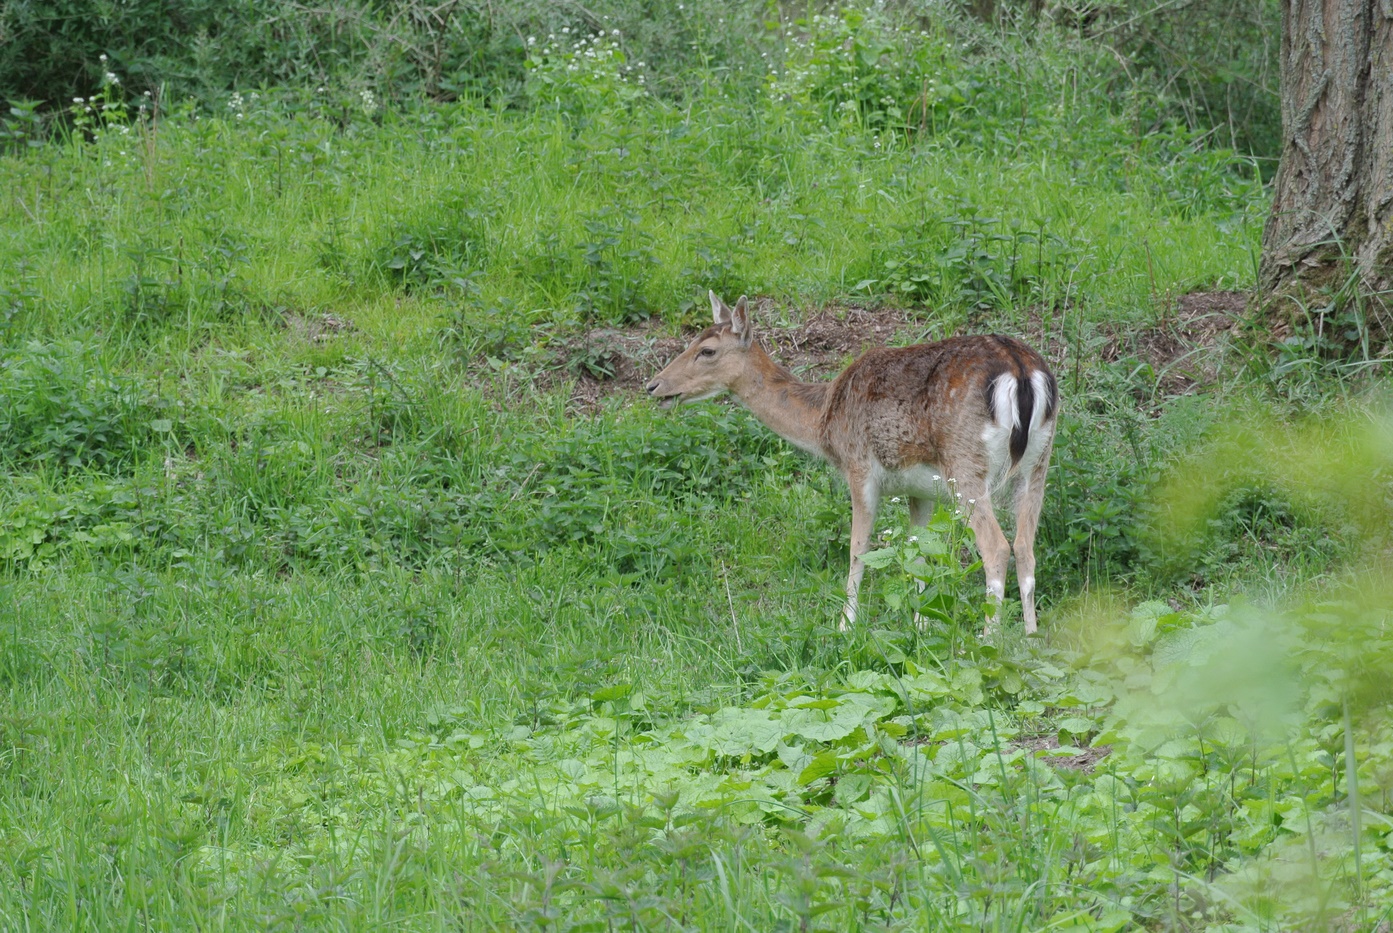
<point x="238" y="104"/>
<point x="595" y="57"/>
<point x="824" y="66"/>
<point x="104" y="114"/>
<point x="108" y="76"/>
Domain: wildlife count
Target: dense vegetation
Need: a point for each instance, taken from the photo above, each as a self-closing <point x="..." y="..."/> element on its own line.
<point x="1209" y="64"/>
<point x="322" y="606"/>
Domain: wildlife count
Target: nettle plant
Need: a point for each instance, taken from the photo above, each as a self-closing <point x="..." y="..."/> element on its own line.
<point x="961" y="256"/>
<point x="105" y="113"/>
<point x="60" y="409"/>
<point x="120" y="132"/>
<point x="852" y="69"/>
<point x="442" y="250"/>
<point x="580" y="74"/>
<point x="929" y="576"/>
<point x="618" y="259"/>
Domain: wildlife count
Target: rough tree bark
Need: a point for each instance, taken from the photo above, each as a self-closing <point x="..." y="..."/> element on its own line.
<point x="1332" y="210"/>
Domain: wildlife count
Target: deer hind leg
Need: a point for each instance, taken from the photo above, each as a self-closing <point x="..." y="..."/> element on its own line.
<point x="991" y="544"/>
<point x="865" y="497"/>
<point x="1030" y="496"/>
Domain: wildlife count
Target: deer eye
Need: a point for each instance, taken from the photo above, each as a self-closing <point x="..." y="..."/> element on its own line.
<point x="707" y="352"/>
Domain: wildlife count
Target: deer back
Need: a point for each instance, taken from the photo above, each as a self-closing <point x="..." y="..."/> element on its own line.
<point x="943" y="404"/>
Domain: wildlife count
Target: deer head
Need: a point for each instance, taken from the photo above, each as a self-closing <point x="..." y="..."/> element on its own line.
<point x="713" y="363"/>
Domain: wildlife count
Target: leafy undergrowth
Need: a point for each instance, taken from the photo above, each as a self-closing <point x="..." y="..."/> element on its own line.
<point x="322" y="608"/>
<point x="894" y="795"/>
<point x="1229" y="769"/>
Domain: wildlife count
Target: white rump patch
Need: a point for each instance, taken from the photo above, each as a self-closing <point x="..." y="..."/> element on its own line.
<point x="1004" y="401"/>
<point x="996" y="434"/>
<point x="1035" y="443"/>
<point x="1041" y="384"/>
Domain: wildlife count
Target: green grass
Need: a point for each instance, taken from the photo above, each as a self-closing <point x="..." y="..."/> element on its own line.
<point x="350" y="624"/>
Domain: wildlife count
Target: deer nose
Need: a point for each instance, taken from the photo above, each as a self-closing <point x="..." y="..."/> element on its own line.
<point x="652" y="387"/>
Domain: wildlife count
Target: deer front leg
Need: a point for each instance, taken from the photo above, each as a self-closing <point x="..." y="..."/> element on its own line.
<point x="864" y="499"/>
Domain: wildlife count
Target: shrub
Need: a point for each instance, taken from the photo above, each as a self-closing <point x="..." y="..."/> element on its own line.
<point x="847" y="66"/>
<point x="444" y="248"/>
<point x="60" y="408"/>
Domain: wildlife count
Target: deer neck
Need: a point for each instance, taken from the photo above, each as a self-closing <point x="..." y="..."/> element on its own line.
<point x="790" y="408"/>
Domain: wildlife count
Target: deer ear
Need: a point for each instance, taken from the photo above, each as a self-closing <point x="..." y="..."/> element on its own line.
<point x="718" y="309"/>
<point x="740" y="321"/>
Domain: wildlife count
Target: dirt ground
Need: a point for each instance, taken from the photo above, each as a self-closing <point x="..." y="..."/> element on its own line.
<point x="1086" y="760"/>
<point x="1183" y="348"/>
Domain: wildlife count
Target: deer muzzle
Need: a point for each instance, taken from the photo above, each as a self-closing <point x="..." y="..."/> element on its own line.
<point x="665" y="399"/>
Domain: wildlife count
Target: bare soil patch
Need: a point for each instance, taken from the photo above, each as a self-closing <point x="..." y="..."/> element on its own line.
<point x="317" y="328"/>
<point x="1040" y="745"/>
<point x="1184" y="348"/>
<point x="1086" y="760"/>
<point x="817" y="348"/>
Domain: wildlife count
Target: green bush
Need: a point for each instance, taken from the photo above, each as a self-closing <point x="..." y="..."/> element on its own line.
<point x="443" y="249"/>
<point x="866" y="69"/>
<point x="59" y="408"/>
<point x="1210" y="65"/>
<point x="53" y="51"/>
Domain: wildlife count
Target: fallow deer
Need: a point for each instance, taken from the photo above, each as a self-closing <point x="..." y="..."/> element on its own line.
<point x="970" y="417"/>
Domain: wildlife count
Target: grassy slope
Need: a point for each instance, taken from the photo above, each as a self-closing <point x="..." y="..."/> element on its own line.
<point x="258" y="661"/>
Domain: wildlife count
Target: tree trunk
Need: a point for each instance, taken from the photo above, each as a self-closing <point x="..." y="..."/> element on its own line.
<point x="1330" y="232"/>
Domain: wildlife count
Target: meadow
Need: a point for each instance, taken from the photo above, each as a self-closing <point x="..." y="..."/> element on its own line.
<point x="328" y="601"/>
